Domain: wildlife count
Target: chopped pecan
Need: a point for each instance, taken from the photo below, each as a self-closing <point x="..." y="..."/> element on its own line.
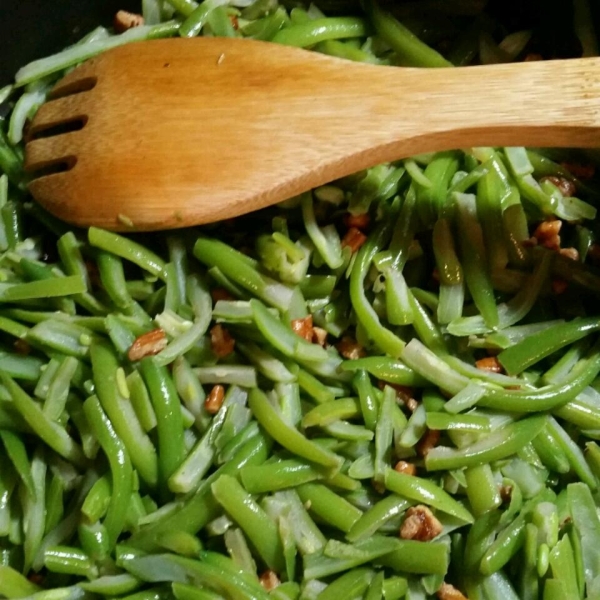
<point x="221" y="342"/>
<point x="354" y="239"/>
<point x="234" y="21"/>
<point x="269" y="580"/>
<point x="304" y="327"/>
<point x="349" y="348"/>
<point x="559" y="286"/>
<point x="533" y="56"/>
<point x="571" y="253"/>
<point x="147" y="344"/>
<point x="403" y="393"/>
<point x="449" y="592"/>
<point x="429" y="441"/>
<point x="357" y="221"/>
<point x="420" y="524"/>
<point x="214" y="400"/>
<point x="565" y="186"/>
<point x="405" y="467"/>
<point x="220" y="294"/>
<point x="435" y="275"/>
<point x="506" y="493"/>
<point x="547" y="233"/>
<point x="319" y="336"/>
<point x="489" y="363"/>
<point x="93" y="273"/>
<point x="125" y="20"/>
<point x="578" y="170"/>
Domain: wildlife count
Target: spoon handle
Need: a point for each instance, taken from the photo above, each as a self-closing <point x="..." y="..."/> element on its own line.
<point x="399" y="112"/>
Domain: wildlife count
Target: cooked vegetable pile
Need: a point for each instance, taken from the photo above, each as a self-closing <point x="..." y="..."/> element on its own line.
<point x="385" y="388"/>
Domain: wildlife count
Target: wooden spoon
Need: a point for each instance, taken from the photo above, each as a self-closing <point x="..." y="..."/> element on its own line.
<point x="172" y="133"/>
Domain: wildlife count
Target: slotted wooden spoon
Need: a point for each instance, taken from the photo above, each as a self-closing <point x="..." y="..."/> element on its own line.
<point x="172" y="133"/>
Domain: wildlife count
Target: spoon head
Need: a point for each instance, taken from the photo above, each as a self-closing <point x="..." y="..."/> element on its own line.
<point x="173" y="133"/>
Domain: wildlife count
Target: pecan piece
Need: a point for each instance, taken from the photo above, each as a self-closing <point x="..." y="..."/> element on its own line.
<point x="449" y="592"/>
<point x="349" y="348"/>
<point x="357" y="221"/>
<point x="405" y="467"/>
<point x="304" y="327"/>
<point x="578" y="170"/>
<point x="571" y="253"/>
<point x="489" y="363"/>
<point x="269" y="580"/>
<point x="126" y="20"/>
<point x="429" y="441"/>
<point x="565" y="186"/>
<point x="420" y="524"/>
<point x="354" y="239"/>
<point x="547" y="233"/>
<point x="214" y="400"/>
<point x="221" y="341"/>
<point x="147" y="344"/>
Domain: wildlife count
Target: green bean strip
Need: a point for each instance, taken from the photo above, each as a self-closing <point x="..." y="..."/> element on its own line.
<point x="52" y="434"/>
<point x="350" y="585"/>
<point x="127" y="249"/>
<point x="16" y="451"/>
<point x="372" y="520"/>
<point x="15" y="585"/>
<point x="418" y="557"/>
<point x="386" y="369"/>
<point x="105" y="367"/>
<point x="426" y="491"/>
<point x="368" y="318"/>
<point x="168" y="416"/>
<point x="539" y="345"/>
<point x="474" y="259"/>
<point x="412" y="51"/>
<point x="319" y="30"/>
<point x="330" y="507"/>
<point x="120" y="466"/>
<point x="495" y="446"/>
<point x="251" y="518"/>
<point x="287" y="436"/>
<point x="236" y="267"/>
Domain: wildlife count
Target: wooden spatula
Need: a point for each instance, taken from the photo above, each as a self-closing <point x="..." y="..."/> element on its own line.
<point x="173" y="133"/>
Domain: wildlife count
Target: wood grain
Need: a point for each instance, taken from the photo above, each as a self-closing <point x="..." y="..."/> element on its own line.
<point x="181" y="132"/>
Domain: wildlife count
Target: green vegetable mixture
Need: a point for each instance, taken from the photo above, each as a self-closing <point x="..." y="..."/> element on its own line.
<point x="388" y="387"/>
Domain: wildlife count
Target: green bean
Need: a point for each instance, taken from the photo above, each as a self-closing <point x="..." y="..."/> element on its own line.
<point x="168" y="415"/>
<point x="445" y="422"/>
<point x="235" y="266"/>
<point x="319" y="30"/>
<point x="377" y="516"/>
<point x="551" y="454"/>
<point x="61" y="559"/>
<point x="111" y="584"/>
<point x="17" y="453"/>
<point x="482" y="489"/>
<point x="332" y="508"/>
<point x="129" y="250"/>
<point x="474" y="259"/>
<point x="318" y="565"/>
<point x="418" y="557"/>
<point x="495" y="446"/>
<point x="15" y="585"/>
<point x="200" y="508"/>
<point x="120" y="466"/>
<point x="287" y="436"/>
<point x="539" y="345"/>
<point x="426" y="491"/>
<point x="52" y="434"/>
<point x="34" y="510"/>
<point x="350" y="585"/>
<point x="182" y="591"/>
<point x="410" y="50"/>
<point x="386" y="369"/>
<point x="120" y="411"/>
<point x="98" y="499"/>
<point x="251" y="518"/>
<point x="572" y="452"/>
<point x="368" y="318"/>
